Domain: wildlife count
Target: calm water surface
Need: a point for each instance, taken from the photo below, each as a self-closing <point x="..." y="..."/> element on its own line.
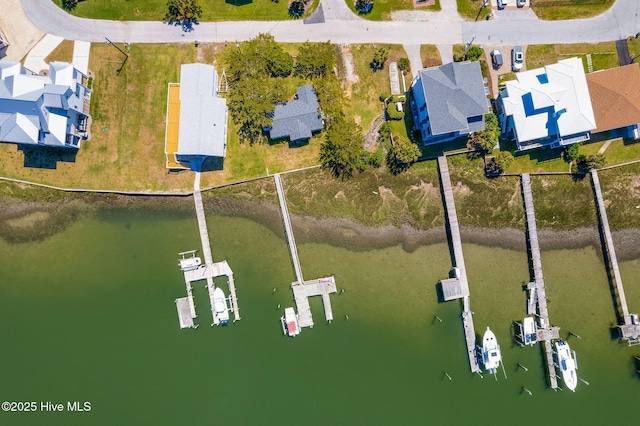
<point x="89" y="315"/>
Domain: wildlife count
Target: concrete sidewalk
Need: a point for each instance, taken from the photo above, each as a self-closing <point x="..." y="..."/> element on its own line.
<point x="81" y="55"/>
<point x="22" y="34"/>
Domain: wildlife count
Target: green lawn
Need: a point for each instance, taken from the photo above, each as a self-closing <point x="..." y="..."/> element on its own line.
<point x="603" y="55"/>
<point x="430" y="55"/>
<point x="569" y="9"/>
<point x="212" y="10"/>
<point x="382" y="8"/>
<point x="64" y="52"/>
<point x="472" y="9"/>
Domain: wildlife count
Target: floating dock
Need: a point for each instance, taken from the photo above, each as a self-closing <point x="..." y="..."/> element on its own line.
<point x="302" y="289"/>
<point x="458" y="286"/>
<point x="537" y="293"/>
<point x="185" y="313"/>
<point x="630" y="328"/>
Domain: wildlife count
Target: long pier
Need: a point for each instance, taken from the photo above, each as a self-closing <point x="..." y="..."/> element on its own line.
<point x="459" y="282"/>
<point x="629" y="329"/>
<point x="538" y="294"/>
<point x="302" y="289"/>
<point x="288" y="230"/>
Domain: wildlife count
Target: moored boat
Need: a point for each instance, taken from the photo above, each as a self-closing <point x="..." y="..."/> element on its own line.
<point x="529" y="333"/>
<point x="290" y="325"/>
<point x="220" y="305"/>
<point x="567" y="364"/>
<point x="491" y="356"/>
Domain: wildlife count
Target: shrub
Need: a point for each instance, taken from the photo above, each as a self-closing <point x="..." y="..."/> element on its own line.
<point x="404" y="64"/>
<point x="393" y="113"/>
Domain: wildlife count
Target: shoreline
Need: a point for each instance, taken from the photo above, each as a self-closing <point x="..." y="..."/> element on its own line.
<point x="29" y="221"/>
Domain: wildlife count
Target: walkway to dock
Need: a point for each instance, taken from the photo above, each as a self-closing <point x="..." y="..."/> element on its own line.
<point x="288" y="230"/>
<point x="301" y="293"/>
<point x="630" y="329"/>
<point x="458" y="260"/>
<point x="537" y="292"/>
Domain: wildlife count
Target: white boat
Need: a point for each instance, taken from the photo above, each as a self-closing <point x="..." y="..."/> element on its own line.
<point x="290" y="325"/>
<point x="567" y="364"/>
<point x="189" y="263"/>
<point x="529" y="333"/>
<point x="491" y="356"/>
<point x="220" y="306"/>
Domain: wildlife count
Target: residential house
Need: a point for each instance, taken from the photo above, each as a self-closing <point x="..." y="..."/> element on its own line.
<point x="196" y="133"/>
<point x="50" y="110"/>
<point x="448" y="101"/>
<point x="615" y="98"/>
<point x="547" y="107"/>
<point x="297" y="119"/>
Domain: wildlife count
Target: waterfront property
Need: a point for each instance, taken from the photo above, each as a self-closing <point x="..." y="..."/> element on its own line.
<point x="448" y="101"/>
<point x="196" y="130"/>
<point x="302" y="289"/>
<point x="537" y="292"/>
<point x="458" y="286"/>
<point x="629" y="329"/>
<point x="547" y="106"/>
<point x="51" y="110"/>
<point x="298" y="119"/>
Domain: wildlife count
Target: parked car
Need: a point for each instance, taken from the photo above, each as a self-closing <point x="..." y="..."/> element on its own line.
<point x="517" y="58"/>
<point x="502" y="4"/>
<point x="521" y="3"/>
<point x="496" y="59"/>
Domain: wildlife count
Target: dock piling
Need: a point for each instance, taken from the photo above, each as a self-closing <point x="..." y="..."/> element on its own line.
<point x="583" y="381"/>
<point x="523" y="367"/>
<point x="527" y="391"/>
<point x="447" y="375"/>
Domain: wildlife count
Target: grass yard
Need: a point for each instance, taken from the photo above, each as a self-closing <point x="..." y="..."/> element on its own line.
<point x="569" y="9"/>
<point x="212" y="10"/>
<point x="382" y="9"/>
<point x="64" y="52"/>
<point x="472" y="9"/>
<point x="634" y="46"/>
<point x="365" y="103"/>
<point x="430" y="55"/>
<point x="603" y="55"/>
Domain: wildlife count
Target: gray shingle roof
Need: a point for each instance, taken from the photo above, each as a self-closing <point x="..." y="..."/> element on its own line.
<point x="453" y="92"/>
<point x="299" y="118"/>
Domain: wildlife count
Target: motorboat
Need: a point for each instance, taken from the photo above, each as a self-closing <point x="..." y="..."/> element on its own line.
<point x="188" y="261"/>
<point x="290" y="325"/>
<point x="567" y="364"/>
<point x="220" y="305"/>
<point x="491" y="356"/>
<point x="529" y="332"/>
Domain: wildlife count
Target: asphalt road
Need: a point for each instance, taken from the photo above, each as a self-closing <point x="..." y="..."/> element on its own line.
<point x="341" y="26"/>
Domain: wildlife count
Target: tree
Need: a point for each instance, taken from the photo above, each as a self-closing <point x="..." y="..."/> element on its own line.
<point x="296" y="9"/>
<point x="404" y="64"/>
<point x="329" y="94"/>
<point x="572" y="152"/>
<point x="485" y="140"/>
<point x="251" y="100"/>
<point x="393" y="113"/>
<point x="379" y="58"/>
<point x="405" y="150"/>
<point x="315" y="60"/>
<point x="281" y="63"/>
<point x="184" y="12"/>
<point x="69" y="5"/>
<point x="342" y="151"/>
<point x="258" y="56"/>
<point x="590" y="162"/>
<point x="503" y="160"/>
<point x="473" y="54"/>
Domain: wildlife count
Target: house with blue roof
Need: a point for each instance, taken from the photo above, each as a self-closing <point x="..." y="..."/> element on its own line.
<point x="297" y="119"/>
<point x="448" y="101"/>
<point x="37" y="110"/>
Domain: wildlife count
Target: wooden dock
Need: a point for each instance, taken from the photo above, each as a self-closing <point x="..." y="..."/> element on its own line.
<point x="293" y="250"/>
<point x="183" y="305"/>
<point x="629" y="329"/>
<point x="458" y="262"/>
<point x="301" y="293"/>
<point x="546" y="333"/>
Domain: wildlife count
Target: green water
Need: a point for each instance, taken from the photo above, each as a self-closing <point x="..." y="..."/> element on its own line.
<point x="89" y="315"/>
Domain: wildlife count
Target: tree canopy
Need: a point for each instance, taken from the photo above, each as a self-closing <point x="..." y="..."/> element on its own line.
<point x="485" y="140"/>
<point x="473" y="54"/>
<point x="342" y="151"/>
<point x="69" y="5"/>
<point x="185" y="12"/>
<point x="379" y="58"/>
<point x="258" y="56"/>
<point x="404" y="64"/>
<point x="329" y="96"/>
<point x="503" y="160"/>
<point x="315" y="60"/>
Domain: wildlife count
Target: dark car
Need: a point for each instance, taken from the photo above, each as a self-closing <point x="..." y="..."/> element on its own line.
<point x="496" y="59"/>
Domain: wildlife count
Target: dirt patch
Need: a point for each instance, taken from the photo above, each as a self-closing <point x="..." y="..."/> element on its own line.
<point x="340" y="195"/>
<point x="423" y="3"/>
<point x="461" y="189"/>
<point x="635" y="186"/>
